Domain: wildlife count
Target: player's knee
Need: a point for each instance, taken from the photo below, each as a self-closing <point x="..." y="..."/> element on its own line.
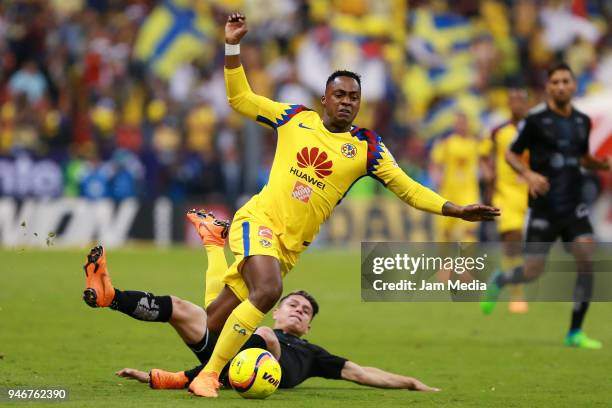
<point x="584" y="267"/>
<point x="582" y="250"/>
<point x="583" y="257"/>
<point x="264" y="298"/>
<point x="533" y="268"/>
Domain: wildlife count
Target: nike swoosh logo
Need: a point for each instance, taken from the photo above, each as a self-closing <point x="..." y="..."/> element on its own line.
<point x="303" y="126"/>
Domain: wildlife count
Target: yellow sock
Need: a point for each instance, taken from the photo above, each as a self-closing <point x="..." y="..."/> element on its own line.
<point x="217" y="265"/>
<point x="237" y="329"/>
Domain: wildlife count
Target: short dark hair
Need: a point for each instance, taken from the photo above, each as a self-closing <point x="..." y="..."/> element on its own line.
<point x="560" y="66"/>
<point x="307" y="296"/>
<point x="343" y="73"/>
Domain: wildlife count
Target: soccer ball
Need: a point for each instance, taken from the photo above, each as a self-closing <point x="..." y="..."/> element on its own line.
<point x="254" y="373"/>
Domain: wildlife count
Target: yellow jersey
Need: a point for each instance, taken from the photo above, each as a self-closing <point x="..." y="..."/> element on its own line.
<point x="314" y="168"/>
<point x="459" y="158"/>
<point x="510" y="188"/>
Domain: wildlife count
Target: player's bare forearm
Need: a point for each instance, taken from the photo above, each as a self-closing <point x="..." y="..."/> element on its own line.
<point x="235" y="29"/>
<point x="272" y="343"/>
<point x="593" y="163"/>
<point x="375" y="377"/>
<point x="515" y="161"/>
<point x="134" y="374"/>
<point x="472" y="212"/>
<point x="232" y="61"/>
<point x="538" y="184"/>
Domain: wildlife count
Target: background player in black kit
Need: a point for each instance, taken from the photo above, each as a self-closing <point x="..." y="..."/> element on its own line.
<point x="299" y="359"/>
<point x="557" y="137"/>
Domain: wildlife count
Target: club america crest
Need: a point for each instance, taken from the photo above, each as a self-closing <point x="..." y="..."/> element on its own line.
<point x="349" y="150"/>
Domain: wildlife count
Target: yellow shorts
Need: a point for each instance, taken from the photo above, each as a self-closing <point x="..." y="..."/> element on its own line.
<point x="511" y="219"/>
<point x="513" y="213"/>
<point x="451" y="229"/>
<point x="249" y="236"/>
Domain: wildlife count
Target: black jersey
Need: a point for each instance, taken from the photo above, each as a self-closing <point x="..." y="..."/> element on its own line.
<point x="299" y="361"/>
<point x="556" y="144"/>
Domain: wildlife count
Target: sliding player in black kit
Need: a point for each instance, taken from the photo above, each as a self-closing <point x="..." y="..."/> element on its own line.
<point x="557" y="137"/>
<point x="298" y="358"/>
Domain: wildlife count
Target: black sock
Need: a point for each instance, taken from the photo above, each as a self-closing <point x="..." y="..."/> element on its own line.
<point x="583" y="289"/>
<point x="578" y="313"/>
<point x="193" y="373"/>
<point x="582" y="296"/>
<point x="204" y="348"/>
<point x="143" y="305"/>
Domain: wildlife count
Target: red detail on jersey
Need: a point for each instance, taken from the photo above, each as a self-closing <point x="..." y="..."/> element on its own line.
<point x="316" y="159"/>
<point x="265" y="232"/>
<point x="301" y="192"/>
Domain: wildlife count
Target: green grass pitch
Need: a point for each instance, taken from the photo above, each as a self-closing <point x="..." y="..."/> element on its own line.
<point x="50" y="338"/>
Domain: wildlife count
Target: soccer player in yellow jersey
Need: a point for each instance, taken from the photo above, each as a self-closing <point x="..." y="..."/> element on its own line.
<point x="455" y="161"/>
<point x="316" y="162"/>
<point x="510" y="192"/>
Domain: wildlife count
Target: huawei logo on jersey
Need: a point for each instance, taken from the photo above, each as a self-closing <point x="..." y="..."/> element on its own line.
<point x="316" y="159"/>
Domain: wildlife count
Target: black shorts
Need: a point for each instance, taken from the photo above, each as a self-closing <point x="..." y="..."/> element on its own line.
<point x="543" y="229"/>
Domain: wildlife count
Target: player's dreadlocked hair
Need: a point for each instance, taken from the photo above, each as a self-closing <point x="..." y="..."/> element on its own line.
<point x="344" y="73"/>
<point x="307" y="296"/>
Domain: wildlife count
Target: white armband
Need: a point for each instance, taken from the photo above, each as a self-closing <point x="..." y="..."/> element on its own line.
<point x="232" y="49"/>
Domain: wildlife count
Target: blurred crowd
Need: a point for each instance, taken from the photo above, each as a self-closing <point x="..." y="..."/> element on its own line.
<point x="128" y="97"/>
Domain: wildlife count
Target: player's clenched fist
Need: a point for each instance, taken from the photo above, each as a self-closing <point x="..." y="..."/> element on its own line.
<point x="235" y="28"/>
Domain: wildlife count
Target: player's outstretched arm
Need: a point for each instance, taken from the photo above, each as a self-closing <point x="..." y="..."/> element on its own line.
<point x="235" y="29"/>
<point x="134" y="374"/>
<point x="375" y="377"/>
<point x="239" y="94"/>
<point x="421" y="197"/>
<point x="472" y="212"/>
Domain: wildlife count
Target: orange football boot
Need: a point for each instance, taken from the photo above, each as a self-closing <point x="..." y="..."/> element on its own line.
<point x="165" y="380"/>
<point x="211" y="230"/>
<point x="518" y="306"/>
<point x="205" y="384"/>
<point x="99" y="291"/>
